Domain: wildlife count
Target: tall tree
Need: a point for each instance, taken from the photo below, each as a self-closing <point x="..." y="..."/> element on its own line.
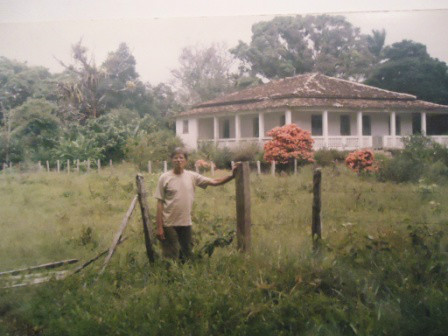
<point x="80" y="89"/>
<point x="375" y="42"/>
<point x="407" y="67"/>
<point x="287" y="46"/>
<point x="204" y="73"/>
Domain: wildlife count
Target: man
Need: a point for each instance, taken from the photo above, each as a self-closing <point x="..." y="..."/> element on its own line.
<point x="175" y="196"/>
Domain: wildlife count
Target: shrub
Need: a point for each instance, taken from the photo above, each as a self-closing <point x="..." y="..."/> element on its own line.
<point x="289" y="142"/>
<point x="246" y="152"/>
<point x="221" y="157"/>
<point x="361" y="161"/>
<point x="156" y="146"/>
<point x="421" y="157"/>
<point x="328" y="157"/>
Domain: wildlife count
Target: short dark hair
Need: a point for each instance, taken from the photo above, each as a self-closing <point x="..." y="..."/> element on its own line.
<point x="180" y="150"/>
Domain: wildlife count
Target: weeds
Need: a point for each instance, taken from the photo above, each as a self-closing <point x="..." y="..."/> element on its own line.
<point x="382" y="268"/>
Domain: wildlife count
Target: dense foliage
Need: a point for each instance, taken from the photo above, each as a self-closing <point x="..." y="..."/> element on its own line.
<point x="362" y="160"/>
<point x="289" y="142"/>
<point x="420" y="158"/>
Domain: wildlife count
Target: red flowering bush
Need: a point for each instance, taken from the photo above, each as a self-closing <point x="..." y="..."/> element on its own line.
<point x="203" y="165"/>
<point x="361" y="160"/>
<point x="289" y="142"/>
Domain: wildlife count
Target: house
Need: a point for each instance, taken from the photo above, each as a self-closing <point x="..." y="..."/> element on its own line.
<point x="340" y="114"/>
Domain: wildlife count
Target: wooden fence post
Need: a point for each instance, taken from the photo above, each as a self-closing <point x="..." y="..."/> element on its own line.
<point x="48" y="166"/>
<point x="149" y="167"/>
<point x="39" y="166"/>
<point x="212" y="168"/>
<point x="243" y="218"/>
<point x="316" y="226"/>
<point x="68" y="166"/>
<point x="273" y="168"/>
<point x="258" y="168"/>
<point x="99" y="166"/>
<point x="119" y="233"/>
<point x="165" y="166"/>
<point x="88" y="165"/>
<point x="4" y="167"/>
<point x="58" y="164"/>
<point x="77" y="165"/>
<point x="295" y="166"/>
<point x="232" y="164"/>
<point x="144" y="207"/>
<point x="110" y="163"/>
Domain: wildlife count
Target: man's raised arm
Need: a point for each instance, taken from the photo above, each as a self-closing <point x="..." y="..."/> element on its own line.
<point x="225" y="179"/>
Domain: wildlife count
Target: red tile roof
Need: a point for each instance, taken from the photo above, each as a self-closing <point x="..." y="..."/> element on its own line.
<point x="312" y="90"/>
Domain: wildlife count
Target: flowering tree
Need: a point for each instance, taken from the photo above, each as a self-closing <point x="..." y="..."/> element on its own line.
<point x="361" y="160"/>
<point x="289" y="142"/>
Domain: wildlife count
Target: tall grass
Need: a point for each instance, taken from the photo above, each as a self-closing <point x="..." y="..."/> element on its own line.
<point x="382" y="268"/>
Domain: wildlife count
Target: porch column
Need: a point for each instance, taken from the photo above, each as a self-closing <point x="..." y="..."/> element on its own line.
<point x="325" y="127"/>
<point x="288" y="117"/>
<point x="423" y="116"/>
<point x="393" y="128"/>
<point x="237" y="128"/>
<point x="215" y="130"/>
<point x="359" y="128"/>
<point x="260" y="126"/>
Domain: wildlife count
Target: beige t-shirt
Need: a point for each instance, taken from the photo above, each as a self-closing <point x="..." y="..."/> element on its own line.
<point x="177" y="194"/>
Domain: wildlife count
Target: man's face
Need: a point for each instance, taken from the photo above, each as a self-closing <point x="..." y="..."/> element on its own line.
<point x="179" y="161"/>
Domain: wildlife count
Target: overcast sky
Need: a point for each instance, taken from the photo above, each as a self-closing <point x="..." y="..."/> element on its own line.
<point x="37" y="31"/>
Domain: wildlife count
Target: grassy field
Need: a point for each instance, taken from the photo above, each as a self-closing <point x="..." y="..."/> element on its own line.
<point x="382" y="268"/>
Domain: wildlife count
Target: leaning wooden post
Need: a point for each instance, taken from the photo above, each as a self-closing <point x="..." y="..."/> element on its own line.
<point x="58" y="164"/>
<point x="243" y="220"/>
<point x="165" y="166"/>
<point x="144" y="207"/>
<point x="273" y="168"/>
<point x="258" y="168"/>
<point x="119" y="233"/>
<point x="48" y="166"/>
<point x="316" y="226"/>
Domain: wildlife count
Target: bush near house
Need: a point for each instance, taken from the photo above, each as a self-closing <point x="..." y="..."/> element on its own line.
<point x="289" y="142"/>
<point x="420" y="158"/>
<point x="361" y="161"/>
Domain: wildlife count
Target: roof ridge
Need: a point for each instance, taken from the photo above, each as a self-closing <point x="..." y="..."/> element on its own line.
<point x="368" y="86"/>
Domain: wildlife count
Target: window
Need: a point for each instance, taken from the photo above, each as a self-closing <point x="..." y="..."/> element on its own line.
<point x="226" y="132"/>
<point x="366" y="125"/>
<point x="345" y="125"/>
<point x="185" y="127"/>
<point x="316" y="124"/>
<point x="255" y="127"/>
<point x="282" y="120"/>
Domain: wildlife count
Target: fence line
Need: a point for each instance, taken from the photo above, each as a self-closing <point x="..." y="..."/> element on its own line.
<point x="162" y="166"/>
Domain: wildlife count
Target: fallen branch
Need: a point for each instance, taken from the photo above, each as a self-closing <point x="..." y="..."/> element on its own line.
<point x="87" y="263"/>
<point x="44" y="266"/>
<point x="58" y="275"/>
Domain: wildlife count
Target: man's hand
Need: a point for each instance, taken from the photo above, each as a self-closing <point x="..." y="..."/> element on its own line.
<point x="235" y="167"/>
<point x="160" y="233"/>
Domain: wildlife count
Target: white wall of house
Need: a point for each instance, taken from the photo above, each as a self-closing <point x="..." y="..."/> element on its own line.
<point x="302" y="119"/>
<point x="272" y="120"/>
<point x="190" y="138"/>
<point x="247" y="125"/>
<point x="205" y="128"/>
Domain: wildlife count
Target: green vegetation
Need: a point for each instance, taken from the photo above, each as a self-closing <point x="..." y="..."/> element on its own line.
<point x="382" y="268"/>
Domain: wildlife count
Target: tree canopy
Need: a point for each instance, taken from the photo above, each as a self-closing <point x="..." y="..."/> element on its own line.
<point x="407" y="67"/>
<point x="287" y="46"/>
